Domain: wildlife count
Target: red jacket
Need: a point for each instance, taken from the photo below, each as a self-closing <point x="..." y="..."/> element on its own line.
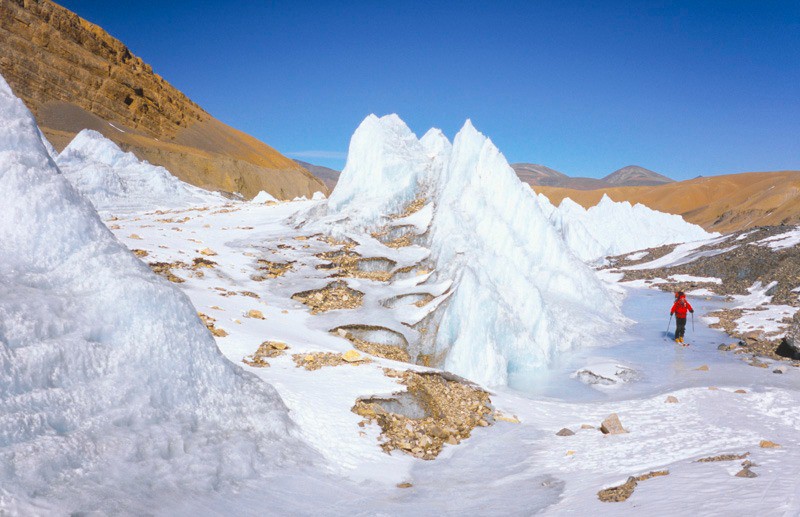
<point x="681" y="307"/>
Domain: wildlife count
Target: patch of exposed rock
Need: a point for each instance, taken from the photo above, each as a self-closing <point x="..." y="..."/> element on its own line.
<point x="790" y="345"/>
<point x="267" y="349"/>
<point x="622" y="492"/>
<point x="437" y="409"/>
<point x="268" y="270"/>
<point x="334" y="296"/>
<point x="210" y="322"/>
<point x="317" y="360"/>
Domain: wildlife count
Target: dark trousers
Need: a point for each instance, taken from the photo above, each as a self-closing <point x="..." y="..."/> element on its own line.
<point x="680" y="327"/>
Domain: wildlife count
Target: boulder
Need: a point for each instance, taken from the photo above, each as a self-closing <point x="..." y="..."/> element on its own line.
<point x="671" y="400"/>
<point x="612" y="425"/>
<point x="790" y="345"/>
<point x="565" y="432"/>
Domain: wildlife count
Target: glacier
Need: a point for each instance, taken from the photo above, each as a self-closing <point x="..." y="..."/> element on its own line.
<point x="519" y="296"/>
<point x="114" y="179"/>
<point x="613" y="228"/>
<point x="105" y="403"/>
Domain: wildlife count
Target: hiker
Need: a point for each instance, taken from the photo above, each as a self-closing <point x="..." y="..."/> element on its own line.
<point x="679" y="309"/>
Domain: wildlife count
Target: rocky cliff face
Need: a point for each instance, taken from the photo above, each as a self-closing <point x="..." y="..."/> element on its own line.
<point x="73" y="75"/>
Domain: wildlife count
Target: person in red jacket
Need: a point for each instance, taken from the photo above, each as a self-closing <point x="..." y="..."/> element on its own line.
<point x="679" y="309"/>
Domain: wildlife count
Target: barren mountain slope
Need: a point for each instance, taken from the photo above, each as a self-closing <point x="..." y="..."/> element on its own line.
<point x="633" y="175"/>
<point x="325" y="174"/>
<point x="718" y="203"/>
<point x="73" y="75"/>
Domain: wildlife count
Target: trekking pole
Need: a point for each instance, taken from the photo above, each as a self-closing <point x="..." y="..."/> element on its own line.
<point x="668" y="324"/>
<point x="692" y="322"/>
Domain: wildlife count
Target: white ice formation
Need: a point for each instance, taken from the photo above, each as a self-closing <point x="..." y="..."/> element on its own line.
<point x="112" y="178"/>
<point x="517" y="295"/>
<point x="611" y="228"/>
<point x="111" y="388"/>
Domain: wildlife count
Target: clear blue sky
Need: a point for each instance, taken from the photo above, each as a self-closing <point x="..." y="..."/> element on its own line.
<point x="683" y="88"/>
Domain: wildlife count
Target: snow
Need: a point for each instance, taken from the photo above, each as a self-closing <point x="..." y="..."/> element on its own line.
<point x="104" y="401"/>
<point x="782" y="241"/>
<point x="697" y="279"/>
<point x="614" y="228"/>
<point x="485" y="236"/>
<point x="264" y="197"/>
<point x="684" y="253"/>
<point x="111" y="178"/>
<point x="758" y="314"/>
<point x="637" y="256"/>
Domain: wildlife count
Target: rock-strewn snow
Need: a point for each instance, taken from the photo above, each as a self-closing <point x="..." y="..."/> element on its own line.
<point x="111" y="178"/>
<point x="111" y="388"/>
<point x="519" y="297"/>
<point x="611" y="228"/>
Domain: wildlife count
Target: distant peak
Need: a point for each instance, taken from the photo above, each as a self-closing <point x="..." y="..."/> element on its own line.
<point x="633" y="175"/>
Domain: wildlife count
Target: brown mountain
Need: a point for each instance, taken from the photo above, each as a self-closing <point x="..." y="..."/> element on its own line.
<point x="328" y="176"/>
<point x="717" y="203"/>
<point x="73" y="75"/>
<point x="633" y="175"/>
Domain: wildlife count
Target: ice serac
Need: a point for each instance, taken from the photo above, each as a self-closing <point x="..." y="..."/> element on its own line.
<point x="518" y="297"/>
<point x="114" y="179"/>
<point x="611" y="228"/>
<point x="385" y="164"/>
<point x="112" y="391"/>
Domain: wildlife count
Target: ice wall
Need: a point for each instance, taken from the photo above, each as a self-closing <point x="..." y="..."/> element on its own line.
<point x="112" y="391"/>
<point x="115" y="180"/>
<point x="611" y="228"/>
<point x="519" y="296"/>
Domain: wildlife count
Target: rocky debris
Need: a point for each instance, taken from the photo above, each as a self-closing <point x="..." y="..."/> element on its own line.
<point x="587" y="426"/>
<point x="766" y="444"/>
<point x="349" y="264"/>
<point x="393" y="352"/>
<point x="140" y="253"/>
<point x="265" y="350"/>
<point x="703" y="368"/>
<point x="606" y="374"/>
<point x="269" y="269"/>
<point x="754" y="361"/>
<point x="780" y="369"/>
<point x="565" y="432"/>
<point x="437" y="409"/>
<point x="210" y="324"/>
<point x="404" y="485"/>
<point x="207" y="252"/>
<point x="134" y="236"/>
<point x="255" y="314"/>
<point x="401" y="241"/>
<point x="165" y="269"/>
<point x="612" y="425"/>
<point x="622" y="492"/>
<point x="249" y="294"/>
<point x="334" y="296"/>
<point x="200" y="262"/>
<point x="511" y="419"/>
<point x="671" y="399"/>
<point x="790" y="345"/>
<point x="412" y="208"/>
<point x="723" y="457"/>
<point x="740" y="391"/>
<point x="317" y="360"/>
<point x="746" y="473"/>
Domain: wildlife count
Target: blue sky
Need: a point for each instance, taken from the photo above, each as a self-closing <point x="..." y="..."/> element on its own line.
<point x="683" y="88"/>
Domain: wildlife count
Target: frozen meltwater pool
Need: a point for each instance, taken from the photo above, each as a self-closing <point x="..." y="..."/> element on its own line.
<point x="658" y="363"/>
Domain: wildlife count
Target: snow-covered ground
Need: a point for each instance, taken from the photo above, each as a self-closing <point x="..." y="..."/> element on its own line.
<point x="115" y="399"/>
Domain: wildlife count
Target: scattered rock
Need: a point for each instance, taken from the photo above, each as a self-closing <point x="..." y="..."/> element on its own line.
<point x="269" y="269"/>
<point x="766" y="444"/>
<point x="352" y="356"/>
<point x="780" y="369"/>
<point x="612" y="425"/>
<point x="317" y="360"/>
<point x="255" y="314"/>
<point x="723" y="457"/>
<point x="209" y="322"/>
<point x="200" y="262"/>
<point x="587" y="426"/>
<point x="746" y="473"/>
<point x="703" y="368"/>
<point x="165" y="269"/>
<point x="565" y="432"/>
<point x="134" y="236"/>
<point x="622" y="492"/>
<point x="570" y="453"/>
<point x="265" y="350"/>
<point x="758" y="364"/>
<point x="671" y="400"/>
<point x="207" y="252"/>
<point x="404" y="485"/>
<point x="740" y="391"/>
<point x="727" y="348"/>
<point x="140" y="253"/>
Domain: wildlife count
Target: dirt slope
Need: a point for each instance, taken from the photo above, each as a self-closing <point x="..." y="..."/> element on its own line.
<point x="73" y="75"/>
<point x="717" y="203"/>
